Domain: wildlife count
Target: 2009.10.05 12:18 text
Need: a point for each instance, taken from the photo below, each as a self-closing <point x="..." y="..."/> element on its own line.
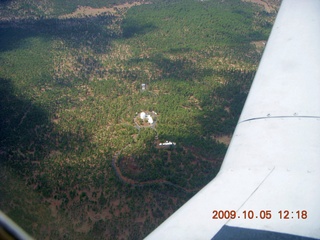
<point x="262" y="214"/>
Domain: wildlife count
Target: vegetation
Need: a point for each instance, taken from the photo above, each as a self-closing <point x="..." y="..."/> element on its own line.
<point x="70" y="88"/>
<point x="45" y="8"/>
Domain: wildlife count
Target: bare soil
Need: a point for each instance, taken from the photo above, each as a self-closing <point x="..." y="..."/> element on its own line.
<point x="268" y="6"/>
<point x="224" y="139"/>
<point x="83" y="11"/>
<point x="259" y="45"/>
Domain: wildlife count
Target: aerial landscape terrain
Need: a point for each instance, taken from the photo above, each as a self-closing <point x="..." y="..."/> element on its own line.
<point x="113" y="113"/>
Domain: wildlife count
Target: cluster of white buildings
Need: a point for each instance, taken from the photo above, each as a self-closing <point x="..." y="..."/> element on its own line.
<point x="147" y="117"/>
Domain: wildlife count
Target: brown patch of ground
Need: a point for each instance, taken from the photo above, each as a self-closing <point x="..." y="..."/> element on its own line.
<point x="225" y="139"/>
<point x="259" y="45"/>
<point x="268" y="6"/>
<point x="83" y="11"/>
<point x="54" y="205"/>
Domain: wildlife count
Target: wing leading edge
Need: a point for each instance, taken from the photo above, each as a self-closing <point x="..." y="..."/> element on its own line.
<point x="268" y="180"/>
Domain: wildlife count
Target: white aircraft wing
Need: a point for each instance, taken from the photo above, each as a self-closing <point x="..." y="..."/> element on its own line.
<point x="268" y="185"/>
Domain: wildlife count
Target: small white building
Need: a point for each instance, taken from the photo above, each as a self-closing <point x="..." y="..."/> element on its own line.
<point x="143" y="115"/>
<point x="150" y="120"/>
<point x="167" y="143"/>
<point x="147" y="117"/>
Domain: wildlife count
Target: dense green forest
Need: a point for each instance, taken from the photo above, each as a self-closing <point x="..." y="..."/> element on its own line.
<point x="73" y="163"/>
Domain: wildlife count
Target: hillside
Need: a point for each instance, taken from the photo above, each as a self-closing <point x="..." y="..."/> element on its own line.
<point x="74" y="162"/>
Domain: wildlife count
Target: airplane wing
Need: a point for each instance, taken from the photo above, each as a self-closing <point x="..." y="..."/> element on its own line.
<point x="267" y="187"/>
<point x="9" y="230"/>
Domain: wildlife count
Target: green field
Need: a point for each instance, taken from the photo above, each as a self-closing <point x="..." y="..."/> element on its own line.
<point x="73" y="163"/>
